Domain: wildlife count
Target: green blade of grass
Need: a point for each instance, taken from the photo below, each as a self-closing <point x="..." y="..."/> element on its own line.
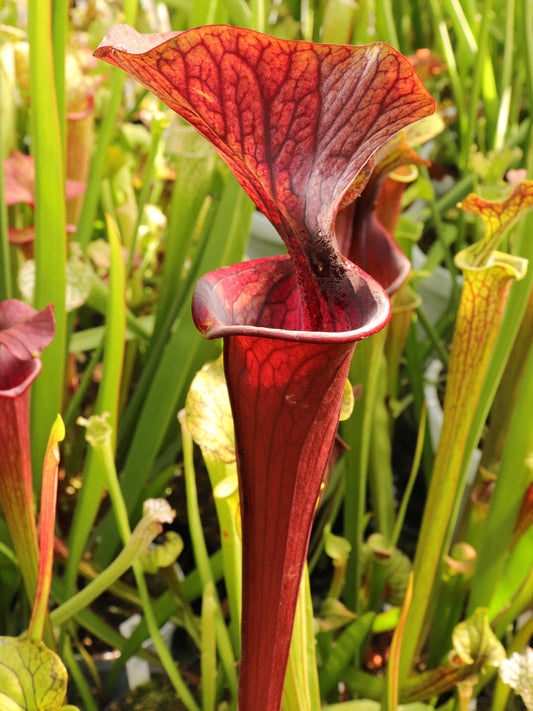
<point x="194" y="174"/>
<point x="482" y="84"/>
<point x="449" y="56"/>
<point x="461" y="25"/>
<point x="50" y="225"/>
<point x="6" y="288"/>
<point x="59" y="45"/>
<point x="107" y="401"/>
<point x="105" y="134"/>
<point x="506" y="78"/>
<point x="356" y="432"/>
<point x="385" y="23"/>
<point x="201" y="557"/>
<point x="208" y="657"/>
<point x="184" y="352"/>
<point x="511" y="484"/>
<point x="185" y="218"/>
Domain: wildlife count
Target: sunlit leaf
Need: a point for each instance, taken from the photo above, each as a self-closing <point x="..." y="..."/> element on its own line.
<point x="208" y="412"/>
<point x="31" y="676"/>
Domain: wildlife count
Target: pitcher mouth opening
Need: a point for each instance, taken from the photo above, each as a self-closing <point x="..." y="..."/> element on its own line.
<point x="261" y="298"/>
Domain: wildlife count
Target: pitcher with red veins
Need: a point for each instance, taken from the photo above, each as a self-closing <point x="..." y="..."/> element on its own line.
<point x="24" y="332"/>
<point x="298" y="124"/>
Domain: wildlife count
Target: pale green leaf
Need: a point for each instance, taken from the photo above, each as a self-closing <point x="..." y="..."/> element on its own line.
<point x="475" y="642"/>
<point x="208" y="412"/>
<point x="31" y="676"/>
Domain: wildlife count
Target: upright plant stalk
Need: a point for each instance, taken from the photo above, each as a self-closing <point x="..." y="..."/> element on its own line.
<point x="156" y="512"/>
<point x="201" y="556"/>
<point x="50" y="222"/>
<point x="506" y="77"/>
<point x="106" y="401"/>
<point x="488" y="276"/>
<point x="209" y="422"/>
<point x="511" y="484"/>
<point x="368" y="241"/>
<point x="5" y="255"/>
<point x="509" y="390"/>
<point x="59" y="29"/>
<point x="46" y="532"/>
<point x="357" y="432"/>
<point x="105" y="135"/>
<point x="482" y="66"/>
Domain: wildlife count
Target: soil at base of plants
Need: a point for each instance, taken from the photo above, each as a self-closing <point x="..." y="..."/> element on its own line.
<point x="155" y="695"/>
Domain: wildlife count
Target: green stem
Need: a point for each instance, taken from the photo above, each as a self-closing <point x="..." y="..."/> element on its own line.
<point x="105" y="134"/>
<point x="513" y="479"/>
<point x="106" y="401"/>
<point x="6" y="285"/>
<point x="108" y="576"/>
<point x="412" y="477"/>
<point x="157" y="129"/>
<point x="431" y="331"/>
<point x="356" y="431"/>
<point x="161" y="648"/>
<point x="59" y="44"/>
<point x="50" y="224"/>
<point x="506" y="78"/>
<point x="479" y="68"/>
<point x="227" y="505"/>
<point x="201" y="555"/>
<point x="527" y="44"/>
<point x="385" y="19"/>
<point x="455" y="80"/>
<point x="258" y="15"/>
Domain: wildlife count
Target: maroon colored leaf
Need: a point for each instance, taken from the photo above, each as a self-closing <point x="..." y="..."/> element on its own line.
<point x="24" y="332"/>
<point x="285" y="388"/>
<point x="19" y="176"/>
<point x="362" y="236"/>
<point x="296" y="122"/>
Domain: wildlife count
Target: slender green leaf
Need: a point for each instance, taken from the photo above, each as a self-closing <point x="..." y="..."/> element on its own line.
<point x="349" y="646"/>
<point x="183" y="353"/>
<point x="107" y="402"/>
<point x="50" y="224"/>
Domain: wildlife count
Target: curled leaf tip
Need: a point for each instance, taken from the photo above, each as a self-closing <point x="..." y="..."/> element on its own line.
<point x="99" y="431"/>
<point x="58" y="430"/>
<point x="474" y="641"/>
<point x="295" y="121"/>
<point x="498" y="217"/>
<point x="158" y="510"/>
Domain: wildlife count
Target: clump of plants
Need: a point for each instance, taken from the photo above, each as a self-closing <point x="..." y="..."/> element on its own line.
<point x="384" y="560"/>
